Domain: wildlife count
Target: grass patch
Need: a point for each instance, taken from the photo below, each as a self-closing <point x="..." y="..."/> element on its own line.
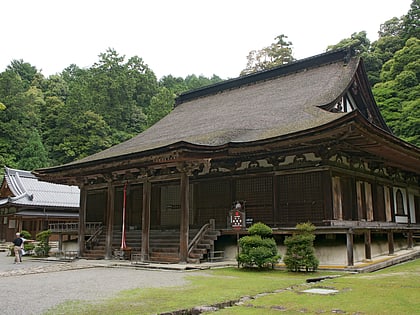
<point x="393" y="291"/>
<point x="390" y="291"/>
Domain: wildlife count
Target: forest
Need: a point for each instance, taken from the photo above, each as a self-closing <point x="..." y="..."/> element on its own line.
<point x="47" y="121"/>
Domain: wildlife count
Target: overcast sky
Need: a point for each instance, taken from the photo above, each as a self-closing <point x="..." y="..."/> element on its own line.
<point x="179" y="37"/>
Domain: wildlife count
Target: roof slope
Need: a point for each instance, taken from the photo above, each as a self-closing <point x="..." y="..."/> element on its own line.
<point x="265" y="105"/>
<point x="26" y="190"/>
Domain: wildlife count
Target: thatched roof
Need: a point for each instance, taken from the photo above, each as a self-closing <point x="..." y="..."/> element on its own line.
<point x="269" y="104"/>
<point x="282" y="106"/>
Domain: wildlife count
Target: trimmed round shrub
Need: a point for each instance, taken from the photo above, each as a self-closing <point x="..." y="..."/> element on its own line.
<point x="258" y="249"/>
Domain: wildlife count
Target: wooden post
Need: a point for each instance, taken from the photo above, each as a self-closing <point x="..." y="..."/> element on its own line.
<point x="390" y="243"/>
<point x="82" y="220"/>
<point x="145" y="221"/>
<point x="184" y="227"/>
<point x="237" y="246"/>
<point x="349" y="239"/>
<point x="276" y="214"/>
<point x="110" y="209"/>
<point x="410" y="242"/>
<point x="368" y="245"/>
<point x="60" y="243"/>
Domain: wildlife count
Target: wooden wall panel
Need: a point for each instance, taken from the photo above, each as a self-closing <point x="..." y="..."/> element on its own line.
<point x="257" y="192"/>
<point x="379" y="203"/>
<point x="212" y="200"/>
<point x="96" y="206"/>
<point x="301" y="198"/>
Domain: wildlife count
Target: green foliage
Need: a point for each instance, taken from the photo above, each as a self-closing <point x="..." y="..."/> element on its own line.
<point x="393" y="68"/>
<point x="160" y="105"/>
<point x="358" y="42"/>
<point x="28" y="248"/>
<point x="178" y="85"/>
<point x="390" y="291"/>
<point x="25" y="234"/>
<point x="300" y="252"/>
<point x="260" y="229"/>
<point x="399" y="92"/>
<point x="306" y="227"/>
<point x="43" y="247"/>
<point x="411" y="21"/>
<point x="68" y="116"/>
<point x="257" y="249"/>
<point x="24" y="70"/>
<point x="278" y="53"/>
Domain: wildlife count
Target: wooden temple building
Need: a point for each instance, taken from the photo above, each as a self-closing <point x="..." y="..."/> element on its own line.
<point x="29" y="204"/>
<point x="302" y="142"/>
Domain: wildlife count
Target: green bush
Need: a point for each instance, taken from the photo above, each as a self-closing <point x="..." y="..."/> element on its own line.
<point x="26" y="235"/>
<point x="43" y="247"/>
<point x="300" y="251"/>
<point x="260" y="229"/>
<point x="257" y="249"/>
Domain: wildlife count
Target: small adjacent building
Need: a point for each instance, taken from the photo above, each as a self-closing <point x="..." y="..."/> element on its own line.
<point x="301" y="142"/>
<point x="27" y="203"/>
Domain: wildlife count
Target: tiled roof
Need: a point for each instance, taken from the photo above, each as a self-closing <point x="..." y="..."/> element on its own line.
<point x="28" y="191"/>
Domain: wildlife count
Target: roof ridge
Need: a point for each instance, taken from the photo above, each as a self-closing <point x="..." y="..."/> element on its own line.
<point x="11" y="171"/>
<point x="328" y="57"/>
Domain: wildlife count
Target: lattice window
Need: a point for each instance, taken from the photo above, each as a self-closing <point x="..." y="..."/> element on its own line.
<point x="170" y="205"/>
<point x="301" y="198"/>
<point x="213" y="200"/>
<point x="258" y="195"/>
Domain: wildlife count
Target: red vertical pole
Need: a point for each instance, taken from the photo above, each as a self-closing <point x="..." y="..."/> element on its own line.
<point x="123" y="245"/>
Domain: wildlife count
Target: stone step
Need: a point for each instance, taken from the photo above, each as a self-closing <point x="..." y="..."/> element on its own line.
<point x="193" y="260"/>
<point x="162" y="251"/>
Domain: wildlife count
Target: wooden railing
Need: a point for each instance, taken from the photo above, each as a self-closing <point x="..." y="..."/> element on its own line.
<point x="93" y="240"/>
<point x="73" y="227"/>
<point x="92" y="227"/>
<point x="65" y="227"/>
<point x="199" y="236"/>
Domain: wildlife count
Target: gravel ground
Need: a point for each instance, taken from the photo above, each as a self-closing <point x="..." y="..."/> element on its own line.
<point x="33" y="287"/>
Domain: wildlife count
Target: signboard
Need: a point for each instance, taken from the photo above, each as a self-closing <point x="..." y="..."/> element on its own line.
<point x="237" y="216"/>
<point x="236" y="220"/>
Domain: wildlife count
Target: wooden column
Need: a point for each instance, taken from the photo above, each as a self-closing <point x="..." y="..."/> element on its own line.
<point x="276" y="214"/>
<point x="184" y="226"/>
<point x="145" y="221"/>
<point x="82" y="220"/>
<point x="60" y="242"/>
<point x="410" y="242"/>
<point x="350" y="257"/>
<point x="368" y="245"/>
<point x="110" y="209"/>
<point x="390" y="243"/>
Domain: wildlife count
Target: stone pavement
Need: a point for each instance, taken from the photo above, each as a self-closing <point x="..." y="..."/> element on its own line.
<point x="32" y="265"/>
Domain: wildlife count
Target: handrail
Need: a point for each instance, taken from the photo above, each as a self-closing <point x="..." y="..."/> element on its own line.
<point x="199" y="236"/>
<point x="94" y="237"/>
